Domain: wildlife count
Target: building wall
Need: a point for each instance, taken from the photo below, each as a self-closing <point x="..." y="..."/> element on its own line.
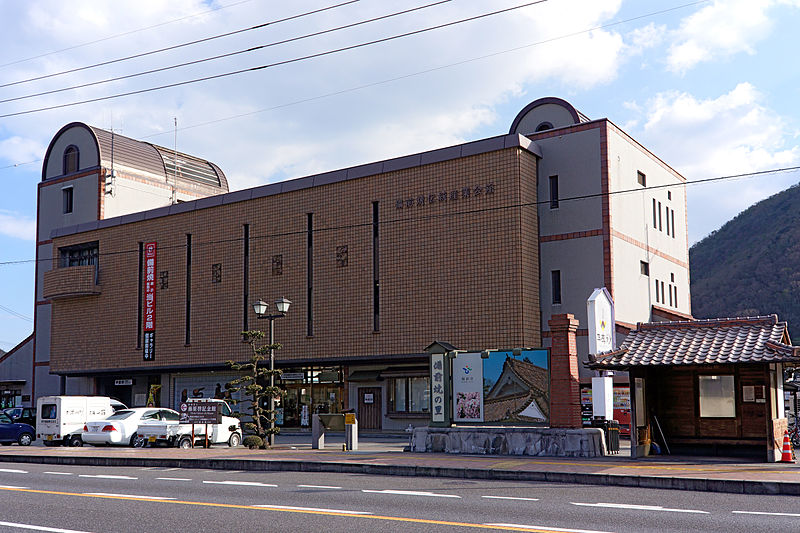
<point x="455" y="269"/>
<point x="80" y="137"/>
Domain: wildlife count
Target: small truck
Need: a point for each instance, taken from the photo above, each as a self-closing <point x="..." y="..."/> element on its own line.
<point x="225" y="429"/>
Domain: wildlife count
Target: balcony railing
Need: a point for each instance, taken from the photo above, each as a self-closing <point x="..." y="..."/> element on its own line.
<point x="69" y="282"/>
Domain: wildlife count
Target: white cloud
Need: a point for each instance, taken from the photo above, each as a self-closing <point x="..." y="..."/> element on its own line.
<point x="720" y="30"/>
<point x="732" y="134"/>
<point x="17" y="226"/>
<point x="20" y="150"/>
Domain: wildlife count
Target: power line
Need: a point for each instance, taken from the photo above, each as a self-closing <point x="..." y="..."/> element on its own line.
<point x="229" y="54"/>
<point x="278" y="63"/>
<point x="405" y="76"/>
<point x="15" y="314"/>
<point x="124" y="34"/>
<point x="181" y="45"/>
<point x="443" y="215"/>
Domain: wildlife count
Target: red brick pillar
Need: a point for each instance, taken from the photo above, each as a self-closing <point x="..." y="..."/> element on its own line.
<point x="565" y="390"/>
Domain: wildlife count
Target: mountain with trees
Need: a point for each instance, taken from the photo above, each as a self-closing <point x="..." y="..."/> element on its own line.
<point x="751" y="265"/>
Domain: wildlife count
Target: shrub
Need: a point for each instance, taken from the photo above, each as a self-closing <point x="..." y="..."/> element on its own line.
<point x="253" y="442"/>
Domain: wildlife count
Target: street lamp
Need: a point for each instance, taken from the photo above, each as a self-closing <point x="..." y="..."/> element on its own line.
<point x="261" y="307"/>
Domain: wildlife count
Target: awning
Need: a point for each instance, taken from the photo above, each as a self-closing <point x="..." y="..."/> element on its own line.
<point x="365" y="375"/>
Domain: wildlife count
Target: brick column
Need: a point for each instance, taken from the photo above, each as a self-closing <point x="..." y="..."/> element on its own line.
<point x="565" y="390"/>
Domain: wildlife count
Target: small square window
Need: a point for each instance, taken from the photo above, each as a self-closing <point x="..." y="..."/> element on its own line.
<point x="717" y="396"/>
<point x="672" y="277"/>
<point x="641" y="178"/>
<point x="669" y="195"/>
<point x="66" y="196"/>
<point x="644" y="268"/>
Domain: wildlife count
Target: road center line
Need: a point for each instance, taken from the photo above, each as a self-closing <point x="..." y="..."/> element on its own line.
<point x="242" y="483"/>
<point x="765" y="513"/>
<point x="106" y="476"/>
<point x="411" y="493"/>
<point x="511" y="498"/>
<point x="11" y="487"/>
<point x="638" y="507"/>
<point x="40" y="528"/>
<point x="174" y="478"/>
<point x="317" y="509"/>
<point x="545" y="529"/>
<point x="58" y="473"/>
<point x="317" y="487"/>
<point x="134" y="496"/>
<point x="13" y="471"/>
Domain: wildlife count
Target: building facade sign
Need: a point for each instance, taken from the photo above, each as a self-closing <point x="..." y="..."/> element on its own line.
<point x="468" y="388"/>
<point x="440" y="197"/>
<point x="150" y="301"/>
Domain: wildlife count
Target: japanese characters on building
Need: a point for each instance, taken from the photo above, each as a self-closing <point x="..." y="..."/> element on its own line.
<point x="150" y="301"/>
<point x="463" y="193"/>
<point x="437" y="387"/>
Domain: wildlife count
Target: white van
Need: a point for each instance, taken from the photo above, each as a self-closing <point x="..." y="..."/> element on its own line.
<point x="60" y="419"/>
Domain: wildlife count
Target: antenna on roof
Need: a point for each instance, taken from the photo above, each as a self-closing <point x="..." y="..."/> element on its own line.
<point x="173" y="197"/>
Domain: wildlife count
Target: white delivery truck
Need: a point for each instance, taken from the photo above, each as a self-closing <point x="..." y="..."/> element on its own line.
<point x="227" y="430"/>
<point x="60" y="419"/>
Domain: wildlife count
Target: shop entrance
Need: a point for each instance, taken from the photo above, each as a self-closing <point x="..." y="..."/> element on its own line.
<point x="369" y="408"/>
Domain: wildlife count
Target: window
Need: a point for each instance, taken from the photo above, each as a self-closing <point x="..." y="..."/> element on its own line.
<point x="717" y="398"/>
<point x="78" y="255"/>
<point x="66" y="197"/>
<point x="663" y="301"/>
<point x="71" y="159"/>
<point x="544" y="126"/>
<point x="641" y="178"/>
<point x="655" y="220"/>
<point x="657" y="300"/>
<point x="669" y="195"/>
<point x="667" y="210"/>
<point x="49" y="411"/>
<point x="659" y="217"/>
<point x="553" y="192"/>
<point x="555" y="285"/>
<point x="644" y="268"/>
<point x="673" y="223"/>
<point x="410" y="395"/>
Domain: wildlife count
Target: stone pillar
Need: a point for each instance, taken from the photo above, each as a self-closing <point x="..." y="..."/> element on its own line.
<point x="565" y="390"/>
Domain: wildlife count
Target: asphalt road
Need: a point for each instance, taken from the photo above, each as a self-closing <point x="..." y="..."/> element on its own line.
<point x="96" y="499"/>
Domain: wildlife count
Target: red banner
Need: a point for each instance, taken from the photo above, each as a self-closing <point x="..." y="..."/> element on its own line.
<point x="150" y="286"/>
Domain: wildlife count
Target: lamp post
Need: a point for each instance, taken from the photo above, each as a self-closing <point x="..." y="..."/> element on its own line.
<point x="261" y="307"/>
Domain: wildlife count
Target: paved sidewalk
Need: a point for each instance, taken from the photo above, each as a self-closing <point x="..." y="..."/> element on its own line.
<point x="385" y="456"/>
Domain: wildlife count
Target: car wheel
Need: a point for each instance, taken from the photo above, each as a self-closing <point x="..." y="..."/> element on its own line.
<point x="185" y="443"/>
<point x="235" y="440"/>
<point x="132" y="442"/>
<point x="75" y="441"/>
<point x="25" y="439"/>
<point x="139" y="441"/>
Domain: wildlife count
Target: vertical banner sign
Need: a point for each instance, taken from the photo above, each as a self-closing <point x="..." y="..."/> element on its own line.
<point x="468" y="388"/>
<point x="150" y="301"/>
<point x="437" y="387"/>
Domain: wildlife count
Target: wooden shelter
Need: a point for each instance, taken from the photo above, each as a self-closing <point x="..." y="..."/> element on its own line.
<point x="706" y="385"/>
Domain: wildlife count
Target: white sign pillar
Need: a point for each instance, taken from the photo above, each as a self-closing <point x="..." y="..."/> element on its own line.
<point x="602" y="338"/>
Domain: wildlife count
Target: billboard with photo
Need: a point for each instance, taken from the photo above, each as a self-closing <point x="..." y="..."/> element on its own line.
<point x="516" y="388"/>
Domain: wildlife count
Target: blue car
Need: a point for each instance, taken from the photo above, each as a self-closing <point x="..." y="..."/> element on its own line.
<point x="11" y="432"/>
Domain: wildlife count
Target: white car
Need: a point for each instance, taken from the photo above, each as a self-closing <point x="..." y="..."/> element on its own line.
<point x="120" y="428"/>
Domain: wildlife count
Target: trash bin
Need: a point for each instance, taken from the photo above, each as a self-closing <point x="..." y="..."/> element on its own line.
<point x="610" y="431"/>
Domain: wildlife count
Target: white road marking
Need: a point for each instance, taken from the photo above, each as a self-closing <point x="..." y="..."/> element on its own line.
<point x="638" y="507"/>
<point x="106" y="476"/>
<point x="765" y="513"/>
<point x="317" y="509"/>
<point x="317" y="487"/>
<point x="58" y="473"/>
<point x="242" y="483"/>
<point x="547" y="528"/>
<point x="13" y="471"/>
<point x="138" y="497"/>
<point x="511" y="498"/>
<point x="174" y="478"/>
<point x="40" y="528"/>
<point x="11" y="487"/>
<point x="412" y="493"/>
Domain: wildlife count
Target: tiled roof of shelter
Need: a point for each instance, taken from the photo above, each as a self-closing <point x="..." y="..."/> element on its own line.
<point x="761" y="339"/>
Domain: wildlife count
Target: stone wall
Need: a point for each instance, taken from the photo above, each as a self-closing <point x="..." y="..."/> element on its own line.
<point x="542" y="442"/>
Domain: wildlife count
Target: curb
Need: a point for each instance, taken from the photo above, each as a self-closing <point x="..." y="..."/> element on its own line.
<point x="730" y="486"/>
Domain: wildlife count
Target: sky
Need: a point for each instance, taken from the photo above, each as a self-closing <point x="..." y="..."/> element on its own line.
<point x="711" y="87"/>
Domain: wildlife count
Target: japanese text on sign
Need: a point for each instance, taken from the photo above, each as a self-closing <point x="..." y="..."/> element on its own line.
<point x="201" y="413"/>
<point x="439" y="197"/>
<point x="150" y="286"/>
<point x="437" y="387"/>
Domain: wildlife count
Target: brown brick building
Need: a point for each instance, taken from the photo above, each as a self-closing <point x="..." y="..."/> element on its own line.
<point x="476" y="245"/>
